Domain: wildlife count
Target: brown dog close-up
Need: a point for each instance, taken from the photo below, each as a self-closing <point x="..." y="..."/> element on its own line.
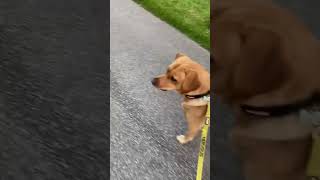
<point x="265" y="66"/>
<point x="191" y="80"/>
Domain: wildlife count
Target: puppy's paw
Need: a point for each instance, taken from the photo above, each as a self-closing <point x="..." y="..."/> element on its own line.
<point x="182" y="139"/>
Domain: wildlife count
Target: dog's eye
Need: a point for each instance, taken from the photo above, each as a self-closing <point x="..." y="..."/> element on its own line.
<point x="173" y="79"/>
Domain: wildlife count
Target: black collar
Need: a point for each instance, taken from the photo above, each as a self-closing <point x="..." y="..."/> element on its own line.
<point x="197" y="96"/>
<point x="280" y="110"/>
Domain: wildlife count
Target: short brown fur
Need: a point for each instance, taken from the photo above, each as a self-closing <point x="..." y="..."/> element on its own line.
<point x="265" y="56"/>
<point x="187" y="78"/>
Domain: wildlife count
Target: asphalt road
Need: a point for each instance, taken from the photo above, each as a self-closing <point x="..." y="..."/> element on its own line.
<point x="53" y="101"/>
<point x="144" y="120"/>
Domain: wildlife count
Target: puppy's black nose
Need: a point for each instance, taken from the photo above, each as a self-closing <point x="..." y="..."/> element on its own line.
<point x="154" y="81"/>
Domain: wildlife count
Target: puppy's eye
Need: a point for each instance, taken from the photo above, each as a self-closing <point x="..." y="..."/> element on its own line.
<point x="173" y="79"/>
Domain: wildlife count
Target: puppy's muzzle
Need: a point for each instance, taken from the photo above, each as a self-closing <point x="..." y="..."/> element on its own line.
<point x="155" y="83"/>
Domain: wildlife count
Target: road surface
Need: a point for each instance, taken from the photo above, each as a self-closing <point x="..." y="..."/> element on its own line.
<point x="53" y="90"/>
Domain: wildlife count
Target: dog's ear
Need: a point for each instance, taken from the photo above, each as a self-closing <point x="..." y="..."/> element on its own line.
<point x="261" y="67"/>
<point x="190" y="83"/>
<point x="179" y="55"/>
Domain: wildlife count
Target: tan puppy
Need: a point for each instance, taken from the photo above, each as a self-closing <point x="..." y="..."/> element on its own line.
<point x="193" y="81"/>
<point x="264" y="57"/>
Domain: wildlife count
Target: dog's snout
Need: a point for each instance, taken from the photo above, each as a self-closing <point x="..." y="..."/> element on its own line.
<point x="154" y="81"/>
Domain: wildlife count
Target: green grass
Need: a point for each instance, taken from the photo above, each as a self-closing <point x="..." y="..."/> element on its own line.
<point x="191" y="17"/>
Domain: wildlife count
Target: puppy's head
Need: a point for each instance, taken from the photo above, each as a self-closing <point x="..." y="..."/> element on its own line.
<point x="185" y="76"/>
<point x="247" y="61"/>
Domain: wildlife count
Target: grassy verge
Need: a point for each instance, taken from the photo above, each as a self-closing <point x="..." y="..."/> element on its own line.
<point x="191" y="17"/>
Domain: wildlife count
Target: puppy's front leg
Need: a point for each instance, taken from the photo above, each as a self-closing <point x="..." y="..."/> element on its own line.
<point x="195" y="116"/>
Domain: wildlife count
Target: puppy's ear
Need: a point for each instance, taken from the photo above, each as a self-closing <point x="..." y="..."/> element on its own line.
<point x="191" y="82"/>
<point x="261" y="67"/>
<point x="179" y="55"/>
